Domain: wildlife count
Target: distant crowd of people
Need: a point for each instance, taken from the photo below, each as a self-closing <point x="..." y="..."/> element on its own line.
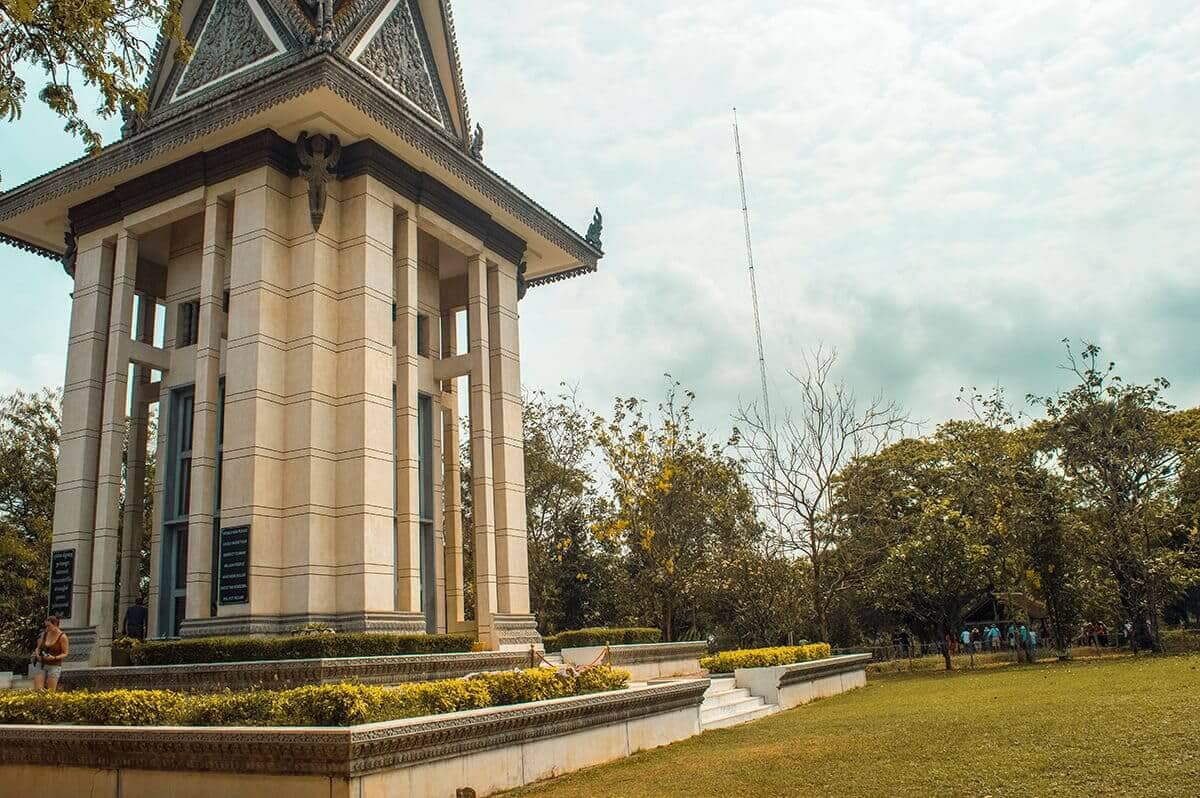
<point x="1095" y="634"/>
<point x="1001" y="636"/>
<point x="991" y="638"/>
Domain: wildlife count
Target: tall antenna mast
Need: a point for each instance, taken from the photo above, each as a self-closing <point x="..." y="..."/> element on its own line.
<point x="762" y="361"/>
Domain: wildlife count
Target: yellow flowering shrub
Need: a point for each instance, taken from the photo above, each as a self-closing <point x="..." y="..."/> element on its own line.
<point x="728" y="661"/>
<point x="315" y="705"/>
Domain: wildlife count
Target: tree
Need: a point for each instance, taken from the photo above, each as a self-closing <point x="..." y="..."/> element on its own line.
<point x="1112" y="440"/>
<point x="937" y="574"/>
<point x="29" y="429"/>
<point x="677" y="500"/>
<point x="98" y="43"/>
<point x="988" y="471"/>
<point x="793" y="468"/>
<point x="753" y="595"/>
<point x="1043" y="525"/>
<point x="561" y="499"/>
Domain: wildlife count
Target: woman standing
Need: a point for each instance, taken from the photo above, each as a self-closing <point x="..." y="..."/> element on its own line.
<point x="52" y="649"/>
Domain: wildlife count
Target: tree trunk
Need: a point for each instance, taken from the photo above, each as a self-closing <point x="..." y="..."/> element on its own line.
<point x="820" y="610"/>
<point x="1134" y="594"/>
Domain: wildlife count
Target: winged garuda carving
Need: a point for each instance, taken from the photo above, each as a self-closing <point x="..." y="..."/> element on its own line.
<point x="318" y="156"/>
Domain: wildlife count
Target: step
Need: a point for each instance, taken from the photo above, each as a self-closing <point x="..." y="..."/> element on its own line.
<point x="724" y="697"/>
<point x="725" y="721"/>
<point x="733" y="708"/>
<point x="718" y="685"/>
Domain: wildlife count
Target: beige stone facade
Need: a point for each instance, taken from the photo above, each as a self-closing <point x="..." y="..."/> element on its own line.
<point x="313" y="400"/>
<point x="298" y="265"/>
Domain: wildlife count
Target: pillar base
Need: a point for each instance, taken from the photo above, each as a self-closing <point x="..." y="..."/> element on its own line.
<point x="400" y="622"/>
<point x="83" y="647"/>
<point x="516" y="633"/>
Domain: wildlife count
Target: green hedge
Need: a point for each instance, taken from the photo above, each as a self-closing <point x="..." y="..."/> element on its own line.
<point x="254" y="649"/>
<point x="599" y="636"/>
<point x="320" y="705"/>
<point x="728" y="661"/>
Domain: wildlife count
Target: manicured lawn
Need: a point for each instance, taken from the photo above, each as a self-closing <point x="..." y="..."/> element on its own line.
<point x="1105" y="727"/>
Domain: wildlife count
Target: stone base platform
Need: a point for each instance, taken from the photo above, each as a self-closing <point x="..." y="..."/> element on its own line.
<point x="487" y="751"/>
<point x="410" y="622"/>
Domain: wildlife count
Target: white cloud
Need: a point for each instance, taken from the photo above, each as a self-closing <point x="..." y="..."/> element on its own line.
<point x="943" y="191"/>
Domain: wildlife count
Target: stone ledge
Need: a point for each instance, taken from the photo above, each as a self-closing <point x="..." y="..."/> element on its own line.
<point x="338" y="752"/>
<point x="294" y="672"/>
<point x="644" y="661"/>
<point x="656" y="652"/>
<point x="791" y="685"/>
<point x="638" y="653"/>
<point x="814" y="669"/>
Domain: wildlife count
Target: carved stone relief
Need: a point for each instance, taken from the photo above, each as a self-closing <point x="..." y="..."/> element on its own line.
<point x="232" y="39"/>
<point x="319" y="157"/>
<point x="400" y="56"/>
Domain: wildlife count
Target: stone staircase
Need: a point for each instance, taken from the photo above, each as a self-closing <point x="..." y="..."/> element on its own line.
<point x="727" y="705"/>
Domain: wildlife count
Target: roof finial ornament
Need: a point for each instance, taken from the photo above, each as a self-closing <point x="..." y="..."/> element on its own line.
<point x="593" y="231"/>
<point x="322" y="11"/>
<point x="132" y="121"/>
<point x="477" y="142"/>
<point x="522" y="285"/>
<point x="318" y="156"/>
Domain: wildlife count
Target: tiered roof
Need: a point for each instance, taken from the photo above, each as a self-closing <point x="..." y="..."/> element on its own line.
<point x="395" y="61"/>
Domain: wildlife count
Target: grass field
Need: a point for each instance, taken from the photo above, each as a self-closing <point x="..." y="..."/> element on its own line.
<point x="1114" y="726"/>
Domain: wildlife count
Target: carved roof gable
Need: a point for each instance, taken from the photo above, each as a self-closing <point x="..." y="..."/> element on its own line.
<point x="407" y="47"/>
<point x="395" y="49"/>
<point x="235" y="36"/>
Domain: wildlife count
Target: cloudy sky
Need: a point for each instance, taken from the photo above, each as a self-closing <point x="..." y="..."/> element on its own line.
<point x="942" y="191"/>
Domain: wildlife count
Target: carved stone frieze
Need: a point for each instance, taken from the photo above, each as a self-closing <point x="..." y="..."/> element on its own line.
<point x="232" y="38"/>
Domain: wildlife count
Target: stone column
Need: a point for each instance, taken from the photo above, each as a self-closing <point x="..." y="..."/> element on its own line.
<point x="309" y="584"/>
<point x="437" y="557"/>
<point x="112" y="443"/>
<point x="508" y="453"/>
<point x="254" y="442"/>
<point x="200" y="566"/>
<point x="482" y="498"/>
<point x="156" y="523"/>
<point x="408" y="516"/>
<point x="452" y="526"/>
<point x="134" y="526"/>
<point x="365" y="587"/>
<point x="82" y="411"/>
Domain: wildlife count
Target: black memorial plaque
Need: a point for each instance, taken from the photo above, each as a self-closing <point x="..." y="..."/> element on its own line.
<point x="233" y="577"/>
<point x="62" y="582"/>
